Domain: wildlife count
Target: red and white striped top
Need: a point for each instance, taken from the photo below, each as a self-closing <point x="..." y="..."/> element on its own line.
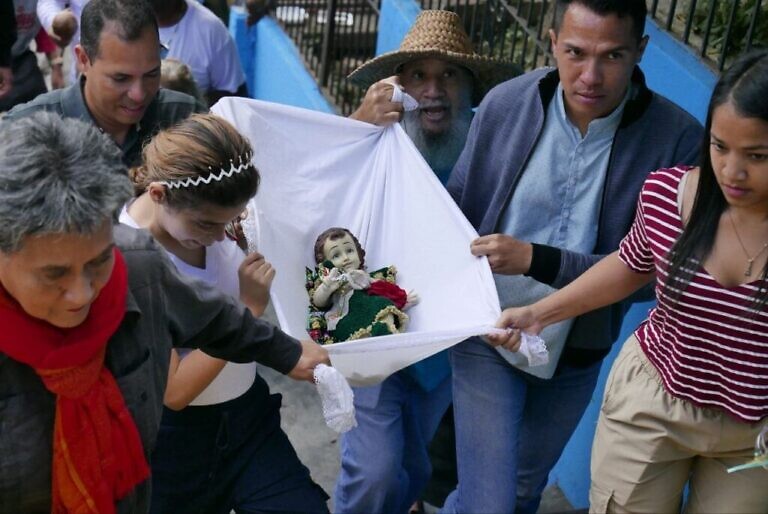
<point x="708" y="347"/>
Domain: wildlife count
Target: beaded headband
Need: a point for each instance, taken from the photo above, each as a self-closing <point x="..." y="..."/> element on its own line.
<point x="245" y="162"/>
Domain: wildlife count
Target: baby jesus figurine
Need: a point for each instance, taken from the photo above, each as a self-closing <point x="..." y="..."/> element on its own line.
<point x="346" y="302"/>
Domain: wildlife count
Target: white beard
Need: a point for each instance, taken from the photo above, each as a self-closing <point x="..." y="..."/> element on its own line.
<point x="441" y="151"/>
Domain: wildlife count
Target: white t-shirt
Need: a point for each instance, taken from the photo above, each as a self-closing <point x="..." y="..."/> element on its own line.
<point x="222" y="259"/>
<point x="47" y="11"/>
<point x="201" y="41"/>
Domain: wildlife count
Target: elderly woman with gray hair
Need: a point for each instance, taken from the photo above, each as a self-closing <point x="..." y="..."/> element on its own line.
<point x="89" y="311"/>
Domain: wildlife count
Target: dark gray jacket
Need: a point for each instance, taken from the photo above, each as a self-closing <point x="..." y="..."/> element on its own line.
<point x="167" y="108"/>
<point x="653" y="133"/>
<point x="164" y="308"/>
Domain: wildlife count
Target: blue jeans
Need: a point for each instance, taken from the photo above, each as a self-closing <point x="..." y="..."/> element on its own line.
<point x="511" y="428"/>
<point x="212" y="459"/>
<point x="384" y="460"/>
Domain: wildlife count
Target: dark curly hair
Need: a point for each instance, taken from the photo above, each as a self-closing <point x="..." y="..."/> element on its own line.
<point x="332" y="234"/>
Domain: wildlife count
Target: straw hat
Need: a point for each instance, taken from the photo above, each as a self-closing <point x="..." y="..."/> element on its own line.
<point x="437" y="34"/>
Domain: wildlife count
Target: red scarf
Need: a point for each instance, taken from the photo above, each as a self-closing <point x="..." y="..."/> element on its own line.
<point x="98" y="457"/>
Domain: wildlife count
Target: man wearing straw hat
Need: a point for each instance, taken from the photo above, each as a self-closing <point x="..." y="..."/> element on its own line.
<point x="384" y="461"/>
<point x="550" y="176"/>
<point x="437" y="67"/>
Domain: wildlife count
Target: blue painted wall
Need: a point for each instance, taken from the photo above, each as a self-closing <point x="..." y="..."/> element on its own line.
<point x="674" y="71"/>
<point x="273" y="66"/>
<point x="396" y="18"/>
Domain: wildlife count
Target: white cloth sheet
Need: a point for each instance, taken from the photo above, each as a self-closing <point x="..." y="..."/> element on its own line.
<point x="319" y="171"/>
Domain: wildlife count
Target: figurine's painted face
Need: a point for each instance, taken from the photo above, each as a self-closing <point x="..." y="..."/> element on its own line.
<point x="342" y="252"/>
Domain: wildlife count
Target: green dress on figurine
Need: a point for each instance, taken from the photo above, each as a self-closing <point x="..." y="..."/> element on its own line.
<point x="346" y="303"/>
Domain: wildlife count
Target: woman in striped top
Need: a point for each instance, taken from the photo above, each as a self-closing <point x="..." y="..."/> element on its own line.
<point x="688" y="393"/>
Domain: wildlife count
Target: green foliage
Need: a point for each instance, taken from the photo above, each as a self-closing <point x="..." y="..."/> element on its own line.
<point x="739" y="30"/>
<point x="507" y="40"/>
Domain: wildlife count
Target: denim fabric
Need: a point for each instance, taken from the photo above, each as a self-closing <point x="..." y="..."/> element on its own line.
<point x="511" y="428"/>
<point x="213" y="459"/>
<point x="384" y="461"/>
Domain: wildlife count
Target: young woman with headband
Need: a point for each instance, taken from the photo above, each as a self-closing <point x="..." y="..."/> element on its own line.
<point x="220" y="445"/>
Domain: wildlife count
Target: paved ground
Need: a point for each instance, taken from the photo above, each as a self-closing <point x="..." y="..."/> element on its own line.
<point x="317" y="445"/>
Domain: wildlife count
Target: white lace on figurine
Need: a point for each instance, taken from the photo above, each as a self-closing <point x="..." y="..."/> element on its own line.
<point x="356" y="279"/>
<point x="244" y="163"/>
<point x="336" y="397"/>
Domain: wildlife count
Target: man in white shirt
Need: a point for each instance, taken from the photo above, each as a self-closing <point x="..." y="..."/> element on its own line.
<point x="61" y="19"/>
<point x="195" y="36"/>
<point x="188" y="31"/>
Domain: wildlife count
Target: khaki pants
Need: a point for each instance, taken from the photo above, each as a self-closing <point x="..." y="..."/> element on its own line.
<point x="648" y="444"/>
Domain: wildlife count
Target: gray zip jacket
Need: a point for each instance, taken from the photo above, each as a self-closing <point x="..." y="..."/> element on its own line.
<point x="653" y="133"/>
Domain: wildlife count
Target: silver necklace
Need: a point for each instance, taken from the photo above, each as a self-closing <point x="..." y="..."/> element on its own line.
<point x="750" y="260"/>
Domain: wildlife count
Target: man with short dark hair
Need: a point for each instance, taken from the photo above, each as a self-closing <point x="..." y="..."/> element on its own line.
<point x="550" y="175"/>
<point x="119" y="91"/>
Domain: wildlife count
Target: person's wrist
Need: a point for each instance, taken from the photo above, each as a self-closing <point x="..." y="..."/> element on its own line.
<point x="528" y="258"/>
<point x="535" y="312"/>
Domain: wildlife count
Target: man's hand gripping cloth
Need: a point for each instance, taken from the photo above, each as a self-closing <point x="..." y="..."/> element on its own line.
<point x="319" y="171"/>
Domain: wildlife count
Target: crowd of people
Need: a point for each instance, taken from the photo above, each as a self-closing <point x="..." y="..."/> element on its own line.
<point x="134" y="388"/>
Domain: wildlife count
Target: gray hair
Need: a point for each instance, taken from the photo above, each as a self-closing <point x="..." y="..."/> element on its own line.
<point x="57" y="176"/>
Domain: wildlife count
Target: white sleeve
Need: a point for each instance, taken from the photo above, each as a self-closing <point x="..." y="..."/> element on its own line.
<point x="224" y="71"/>
<point x="47" y="10"/>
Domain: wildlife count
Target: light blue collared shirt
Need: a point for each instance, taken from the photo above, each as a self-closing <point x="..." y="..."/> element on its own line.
<point x="557" y="203"/>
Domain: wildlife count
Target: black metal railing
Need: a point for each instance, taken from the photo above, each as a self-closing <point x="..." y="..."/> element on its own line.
<point x="334" y="37"/>
<point x="718" y="30"/>
<point x="512" y="30"/>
